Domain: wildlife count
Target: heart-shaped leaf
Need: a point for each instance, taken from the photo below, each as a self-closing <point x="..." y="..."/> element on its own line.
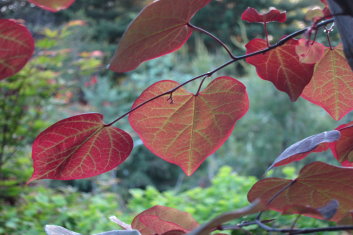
<point x="17" y="47"/>
<point x="193" y="127"/>
<point x="79" y="147"/>
<point x="253" y="16"/>
<point x="299" y="150"/>
<point x="52" y="5"/>
<point x="162" y="219"/>
<point x="281" y="66"/>
<point x="317" y="184"/>
<point x="331" y="86"/>
<point x="160" y="28"/>
<point x="343" y="148"/>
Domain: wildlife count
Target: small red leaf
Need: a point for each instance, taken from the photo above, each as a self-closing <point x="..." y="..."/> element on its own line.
<point x="17" y="47"/>
<point x="253" y="16"/>
<point x="309" y="52"/>
<point x="79" y="147"/>
<point x="317" y="184"/>
<point x="162" y="219"/>
<point x="331" y="86"/>
<point x="186" y="132"/>
<point x="343" y="148"/>
<point x="52" y="5"/>
<point x="281" y="66"/>
<point x="299" y="150"/>
<point x="159" y="29"/>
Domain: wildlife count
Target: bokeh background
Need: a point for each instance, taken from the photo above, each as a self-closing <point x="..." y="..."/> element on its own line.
<point x="68" y="76"/>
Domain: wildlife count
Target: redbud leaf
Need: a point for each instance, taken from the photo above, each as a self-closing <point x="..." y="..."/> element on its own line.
<point x="17" y="47"/>
<point x="331" y="86"/>
<point x="79" y="147"/>
<point x="309" y="52"/>
<point x="253" y="16"/>
<point x="317" y="184"/>
<point x="301" y="149"/>
<point x="159" y="29"/>
<point x="52" y="5"/>
<point x="162" y="219"/>
<point x="343" y="148"/>
<point x="193" y="127"/>
<point x="281" y="66"/>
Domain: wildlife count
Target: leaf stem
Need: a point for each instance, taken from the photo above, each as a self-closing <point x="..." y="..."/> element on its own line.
<point x="266" y="34"/>
<point x="219" y="41"/>
<point x="200" y="86"/>
<point x="233" y="60"/>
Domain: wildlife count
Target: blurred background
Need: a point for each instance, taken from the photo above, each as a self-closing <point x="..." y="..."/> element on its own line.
<point x="68" y="76"/>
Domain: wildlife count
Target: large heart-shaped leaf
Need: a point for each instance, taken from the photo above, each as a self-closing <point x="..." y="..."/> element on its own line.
<point x="162" y="219"/>
<point x="160" y="28"/>
<point x="281" y="66"/>
<point x="301" y="149"/>
<point x="193" y="127"/>
<point x="317" y="184"/>
<point x="332" y="84"/>
<point x="53" y="5"/>
<point x="16" y="47"/>
<point x="79" y="147"/>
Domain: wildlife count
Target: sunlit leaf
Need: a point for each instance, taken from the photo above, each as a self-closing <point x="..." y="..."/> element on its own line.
<point x="299" y="150"/>
<point x="317" y="184"/>
<point x="281" y="66"/>
<point x="79" y="147"/>
<point x="253" y="16"/>
<point x="162" y="219"/>
<point x="52" y="5"/>
<point x="160" y="28"/>
<point x="16" y="47"/>
<point x="332" y="84"/>
<point x="193" y="127"/>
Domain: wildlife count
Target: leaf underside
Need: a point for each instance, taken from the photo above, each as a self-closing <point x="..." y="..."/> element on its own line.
<point x="332" y="84"/>
<point x="193" y="127"/>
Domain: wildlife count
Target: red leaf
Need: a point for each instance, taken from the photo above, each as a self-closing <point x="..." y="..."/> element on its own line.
<point x="343" y="148"/>
<point x="253" y="16"/>
<point x="52" y="5"/>
<point x="17" y="47"/>
<point x="162" y="219"/>
<point x="332" y="84"/>
<point x="301" y="149"/>
<point x="317" y="184"/>
<point x="309" y="52"/>
<point x="159" y="29"/>
<point x="186" y="132"/>
<point x="281" y="66"/>
<point x="79" y="147"/>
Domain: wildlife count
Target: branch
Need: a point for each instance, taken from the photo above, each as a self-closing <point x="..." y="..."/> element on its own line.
<point x="235" y="59"/>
